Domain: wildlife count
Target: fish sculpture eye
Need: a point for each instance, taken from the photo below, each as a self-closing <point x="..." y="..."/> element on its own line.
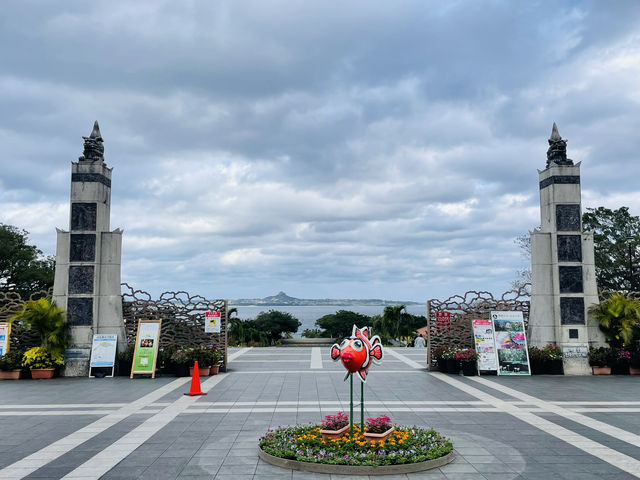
<point x="357" y="345"/>
<point x="344" y="343"/>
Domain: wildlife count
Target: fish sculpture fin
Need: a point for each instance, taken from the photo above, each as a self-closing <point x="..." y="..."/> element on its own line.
<point x="346" y="375"/>
<point x="363" y="375"/>
<point x="335" y="352"/>
<point x="376" y="349"/>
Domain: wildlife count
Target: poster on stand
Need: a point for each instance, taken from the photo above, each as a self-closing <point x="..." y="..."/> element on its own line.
<point x="146" y="350"/>
<point x="103" y="351"/>
<point x="511" y="343"/>
<point x="485" y="345"/>
<point x="212" y="322"/>
<point x="5" y="333"/>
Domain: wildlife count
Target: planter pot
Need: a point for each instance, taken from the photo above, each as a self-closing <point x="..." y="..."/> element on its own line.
<point x="538" y="367"/>
<point x="469" y="369"/>
<point x="442" y="365"/>
<point x="202" y="371"/>
<point x="215" y="369"/>
<point x="634" y="370"/>
<point x="10" y="374"/>
<point x="39" y="373"/>
<point x="620" y="369"/>
<point x="379" y="436"/>
<point x="329" y="434"/>
<point x="555" y="367"/>
<point x="453" y="366"/>
<point x="601" y="370"/>
<point x="182" y="370"/>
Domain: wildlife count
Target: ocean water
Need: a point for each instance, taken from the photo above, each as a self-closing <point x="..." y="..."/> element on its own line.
<point x="309" y="315"/>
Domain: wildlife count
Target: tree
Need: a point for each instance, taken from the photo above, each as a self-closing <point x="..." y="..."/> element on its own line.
<point x="523" y="275"/>
<point x="616" y="235"/>
<point x="48" y="320"/>
<point x="275" y="323"/>
<point x="619" y="318"/>
<point x="23" y="268"/>
<point x="396" y="323"/>
<point x="340" y="324"/>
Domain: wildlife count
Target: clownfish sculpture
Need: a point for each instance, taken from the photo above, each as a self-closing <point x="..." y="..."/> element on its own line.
<point x="357" y="352"/>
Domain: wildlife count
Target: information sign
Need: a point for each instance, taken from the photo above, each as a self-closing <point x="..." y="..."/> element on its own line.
<point x="5" y="333"/>
<point x="212" y="322"/>
<point x="485" y="345"/>
<point x="511" y="343"/>
<point x="146" y="350"/>
<point x="103" y="351"/>
<point x="443" y="322"/>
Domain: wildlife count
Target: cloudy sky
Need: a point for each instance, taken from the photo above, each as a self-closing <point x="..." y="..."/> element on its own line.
<point x="324" y="148"/>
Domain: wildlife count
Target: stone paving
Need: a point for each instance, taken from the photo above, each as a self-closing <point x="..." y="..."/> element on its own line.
<point x="503" y="428"/>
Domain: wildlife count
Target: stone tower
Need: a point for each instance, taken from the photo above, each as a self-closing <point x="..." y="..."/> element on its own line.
<point x="562" y="264"/>
<point x="87" y="276"/>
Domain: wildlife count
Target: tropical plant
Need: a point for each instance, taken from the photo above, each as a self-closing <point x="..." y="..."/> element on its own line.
<point x="313" y="333"/>
<point x="396" y="323"/>
<point x="340" y="324"/>
<point x="335" y="422"/>
<point x="213" y="355"/>
<point x="619" y="318"/>
<point x="379" y="424"/>
<point x="601" y="357"/>
<point x="553" y="352"/>
<point x="466" y="355"/>
<point x="11" y="360"/>
<point x="41" y="357"/>
<point x="48" y="320"/>
<point x="538" y="354"/>
<point x="440" y="352"/>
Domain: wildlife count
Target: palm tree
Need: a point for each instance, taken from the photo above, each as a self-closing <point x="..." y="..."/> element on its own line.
<point x="48" y="320"/>
<point x="619" y="317"/>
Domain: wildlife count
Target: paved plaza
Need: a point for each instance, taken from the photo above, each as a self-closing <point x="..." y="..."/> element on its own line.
<point x="503" y="428"/>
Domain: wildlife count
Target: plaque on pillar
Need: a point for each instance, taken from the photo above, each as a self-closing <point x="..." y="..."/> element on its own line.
<point x="80" y="279"/>
<point x="82" y="247"/>
<point x="569" y="248"/>
<point x="80" y="311"/>
<point x="568" y="218"/>
<point x="83" y="216"/>
<point x="570" y="279"/>
<point x="572" y="310"/>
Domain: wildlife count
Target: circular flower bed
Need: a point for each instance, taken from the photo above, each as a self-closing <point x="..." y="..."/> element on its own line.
<point x="406" y="445"/>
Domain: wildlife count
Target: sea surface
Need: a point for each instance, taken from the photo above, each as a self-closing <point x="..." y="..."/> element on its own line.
<point x="309" y="315"/>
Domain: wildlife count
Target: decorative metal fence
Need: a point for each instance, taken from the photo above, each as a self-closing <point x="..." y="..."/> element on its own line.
<point x="450" y="319"/>
<point x="182" y="315"/>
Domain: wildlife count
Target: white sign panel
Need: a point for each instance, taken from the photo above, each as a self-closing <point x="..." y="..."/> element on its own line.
<point x="511" y="343"/>
<point x="103" y="350"/>
<point x="485" y="345"/>
<point x="212" y="322"/>
<point x="4" y="338"/>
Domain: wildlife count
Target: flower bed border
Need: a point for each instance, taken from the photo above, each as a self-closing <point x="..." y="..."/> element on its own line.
<point x="355" y="470"/>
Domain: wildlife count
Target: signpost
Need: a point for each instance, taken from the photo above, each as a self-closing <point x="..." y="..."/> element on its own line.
<point x="5" y="333"/>
<point x="443" y="322"/>
<point x="212" y="322"/>
<point x="483" y="339"/>
<point x="511" y="343"/>
<point x="103" y="352"/>
<point x="146" y="350"/>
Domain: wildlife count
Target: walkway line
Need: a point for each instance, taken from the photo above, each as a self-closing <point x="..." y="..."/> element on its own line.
<point x="316" y="358"/>
<point x="235" y="355"/>
<point x="33" y="462"/>
<point x="604" y="453"/>
<point x="572" y="414"/>
<point x="108" y="458"/>
<point x="406" y="360"/>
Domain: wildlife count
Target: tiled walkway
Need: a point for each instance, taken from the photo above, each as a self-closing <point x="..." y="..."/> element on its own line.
<point x="503" y="428"/>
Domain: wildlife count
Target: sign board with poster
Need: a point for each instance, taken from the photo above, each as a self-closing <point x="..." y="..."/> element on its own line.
<point x="443" y="322"/>
<point x="5" y="333"/>
<point x="103" y="352"/>
<point x="485" y="345"/>
<point x="511" y="343"/>
<point x="212" y="322"/>
<point x="146" y="349"/>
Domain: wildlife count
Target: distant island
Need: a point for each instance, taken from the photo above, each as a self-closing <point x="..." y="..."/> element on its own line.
<point x="282" y="299"/>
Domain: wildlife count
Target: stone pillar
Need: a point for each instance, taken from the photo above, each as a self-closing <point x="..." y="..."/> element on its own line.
<point x="87" y="276"/>
<point x="562" y="265"/>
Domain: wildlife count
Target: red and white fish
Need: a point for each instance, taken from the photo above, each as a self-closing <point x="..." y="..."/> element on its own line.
<point x="357" y="352"/>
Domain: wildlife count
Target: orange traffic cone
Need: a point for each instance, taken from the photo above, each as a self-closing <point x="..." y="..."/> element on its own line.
<point x="195" y="383"/>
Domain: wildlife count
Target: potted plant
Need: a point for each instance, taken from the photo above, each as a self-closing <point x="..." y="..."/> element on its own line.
<point x="453" y="365"/>
<point x="200" y="355"/>
<point x="554" y="359"/>
<point x="334" y="426"/>
<point x="183" y="360"/>
<point x="379" y="428"/>
<point x="634" y="362"/>
<point x="538" y="360"/>
<point x="600" y="360"/>
<point x="11" y="365"/>
<point x="41" y="362"/>
<point x="619" y="318"/>
<point x="468" y="358"/>
<point x="621" y="364"/>
<point x="124" y="360"/>
<point x="214" y="359"/>
<point x="439" y="354"/>
<point x="49" y="321"/>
